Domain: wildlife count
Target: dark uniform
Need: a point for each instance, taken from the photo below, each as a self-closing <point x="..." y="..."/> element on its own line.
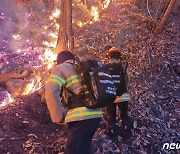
<point x="119" y="78"/>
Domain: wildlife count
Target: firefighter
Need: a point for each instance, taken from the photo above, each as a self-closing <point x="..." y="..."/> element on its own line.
<point x="81" y="122"/>
<point x="119" y="76"/>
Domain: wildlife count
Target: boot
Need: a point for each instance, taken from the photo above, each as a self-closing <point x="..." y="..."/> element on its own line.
<point x="113" y="130"/>
<point x="126" y="128"/>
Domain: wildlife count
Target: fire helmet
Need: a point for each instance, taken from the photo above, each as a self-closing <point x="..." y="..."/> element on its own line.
<point x="64" y="56"/>
<point x="114" y="53"/>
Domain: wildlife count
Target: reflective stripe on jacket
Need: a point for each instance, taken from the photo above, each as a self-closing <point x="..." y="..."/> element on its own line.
<point x="124" y="97"/>
<point x="65" y="75"/>
<point x="119" y="79"/>
<point x="82" y="113"/>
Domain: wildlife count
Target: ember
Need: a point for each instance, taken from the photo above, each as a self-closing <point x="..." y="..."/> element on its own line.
<point x="106" y="4"/>
<point x="6" y="100"/>
<point x="94" y="13"/>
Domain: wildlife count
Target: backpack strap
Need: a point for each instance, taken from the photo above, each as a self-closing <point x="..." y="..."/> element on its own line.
<point x="72" y="93"/>
<point x="126" y="67"/>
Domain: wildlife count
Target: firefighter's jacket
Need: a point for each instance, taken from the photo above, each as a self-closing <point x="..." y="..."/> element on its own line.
<point x="119" y="79"/>
<point x="65" y="75"/>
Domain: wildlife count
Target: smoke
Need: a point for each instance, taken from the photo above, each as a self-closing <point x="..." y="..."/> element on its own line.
<point x="7" y="17"/>
<point x="21" y="26"/>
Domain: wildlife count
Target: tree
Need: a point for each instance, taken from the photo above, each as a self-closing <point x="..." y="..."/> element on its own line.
<point x="165" y="16"/>
<point x="65" y="36"/>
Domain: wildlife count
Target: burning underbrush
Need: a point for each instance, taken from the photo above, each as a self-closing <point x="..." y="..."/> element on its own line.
<point x="153" y="86"/>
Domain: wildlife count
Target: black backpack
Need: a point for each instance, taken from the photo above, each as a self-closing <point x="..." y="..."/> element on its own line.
<point x="119" y="76"/>
<point x="98" y="87"/>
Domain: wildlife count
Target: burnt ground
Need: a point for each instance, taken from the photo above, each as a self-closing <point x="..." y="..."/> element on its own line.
<point x="26" y="127"/>
<point x="154" y="88"/>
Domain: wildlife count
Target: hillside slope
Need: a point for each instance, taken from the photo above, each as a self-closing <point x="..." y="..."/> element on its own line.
<point x="154" y="87"/>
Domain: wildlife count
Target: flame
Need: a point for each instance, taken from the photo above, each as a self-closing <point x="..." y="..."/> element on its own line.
<point x="106" y="4"/>
<point x="80" y="24"/>
<point x="47" y="58"/>
<point x="16" y="37"/>
<point x="51" y="18"/>
<point x="50" y="57"/>
<point x="29" y="88"/>
<point x="50" y="44"/>
<point x="7" y="100"/>
<point x="57" y="26"/>
<point x="36" y="83"/>
<point x="18" y="50"/>
<point x="39" y="83"/>
<point x="56" y="13"/>
<point x="33" y="86"/>
<point x="54" y="35"/>
<point x="95" y="13"/>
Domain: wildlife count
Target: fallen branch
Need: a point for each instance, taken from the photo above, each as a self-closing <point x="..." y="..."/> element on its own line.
<point x="149" y="58"/>
<point x="147" y="5"/>
<point x="165" y="16"/>
<point x="6" y="77"/>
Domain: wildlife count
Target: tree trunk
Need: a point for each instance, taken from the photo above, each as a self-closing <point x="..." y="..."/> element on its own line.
<point x="165" y="16"/>
<point x="69" y="25"/>
<point x="65" y="35"/>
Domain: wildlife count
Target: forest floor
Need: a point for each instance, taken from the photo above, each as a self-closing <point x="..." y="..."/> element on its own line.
<point x="154" y="87"/>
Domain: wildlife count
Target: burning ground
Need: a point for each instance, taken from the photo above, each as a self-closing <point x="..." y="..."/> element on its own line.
<point x="154" y="82"/>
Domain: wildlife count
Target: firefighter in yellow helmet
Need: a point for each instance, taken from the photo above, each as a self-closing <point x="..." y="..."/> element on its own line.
<point x="81" y="122"/>
<point x="119" y="76"/>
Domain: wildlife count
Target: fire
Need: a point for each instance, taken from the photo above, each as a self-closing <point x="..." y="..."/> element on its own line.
<point x="47" y="58"/>
<point x="18" y="50"/>
<point x="56" y="13"/>
<point x="36" y="83"/>
<point x="33" y="86"/>
<point x="50" y="57"/>
<point x="54" y="35"/>
<point x="57" y="26"/>
<point x="49" y="44"/>
<point x="7" y="100"/>
<point x="16" y="37"/>
<point x="51" y="18"/>
<point x="80" y="24"/>
<point x="106" y="4"/>
<point x="95" y="13"/>
<point x="29" y="88"/>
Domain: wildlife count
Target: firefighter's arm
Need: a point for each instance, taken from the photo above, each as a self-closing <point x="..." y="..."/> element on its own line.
<point x="55" y="107"/>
